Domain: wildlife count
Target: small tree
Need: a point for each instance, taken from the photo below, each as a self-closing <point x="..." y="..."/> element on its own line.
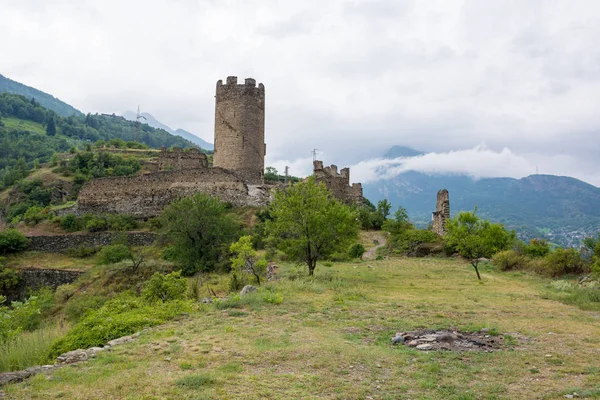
<point x="245" y="259"/>
<point x="474" y="238"/>
<point x="51" y="127"/>
<point x="200" y="228"/>
<point x="309" y="224"/>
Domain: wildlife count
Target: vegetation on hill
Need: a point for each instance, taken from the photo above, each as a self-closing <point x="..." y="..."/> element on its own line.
<point x="46" y="100"/>
<point x="25" y="132"/>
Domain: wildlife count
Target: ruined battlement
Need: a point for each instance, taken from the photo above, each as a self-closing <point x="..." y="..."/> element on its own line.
<point x="145" y="196"/>
<point x="179" y="159"/>
<point x="240" y="128"/>
<point x="338" y="183"/>
<point x="442" y="212"/>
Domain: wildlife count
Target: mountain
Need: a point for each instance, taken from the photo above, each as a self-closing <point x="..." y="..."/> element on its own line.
<point x="153" y="122"/>
<point x="46" y="100"/>
<point x="558" y="208"/>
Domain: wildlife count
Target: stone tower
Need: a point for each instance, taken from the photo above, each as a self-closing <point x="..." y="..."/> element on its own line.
<point x="240" y="129"/>
<point x="442" y="212"/>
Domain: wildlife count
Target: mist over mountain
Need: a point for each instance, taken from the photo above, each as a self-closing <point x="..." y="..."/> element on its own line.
<point x="46" y="100"/>
<point x="153" y="122"/>
<point x="561" y="209"/>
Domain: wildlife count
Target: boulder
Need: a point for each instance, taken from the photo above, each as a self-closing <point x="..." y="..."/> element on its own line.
<point x="247" y="289"/>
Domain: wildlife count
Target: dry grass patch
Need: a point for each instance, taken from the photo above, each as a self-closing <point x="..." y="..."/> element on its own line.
<point x="330" y="338"/>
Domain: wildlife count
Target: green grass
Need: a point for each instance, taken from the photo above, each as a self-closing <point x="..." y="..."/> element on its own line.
<point x="19" y="124"/>
<point x="329" y="338"/>
<point x="29" y="348"/>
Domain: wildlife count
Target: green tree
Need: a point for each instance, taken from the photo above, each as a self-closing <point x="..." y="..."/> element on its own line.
<point x="474" y="238"/>
<point x="201" y="229"/>
<point x="51" y="127"/>
<point x="309" y="224"/>
<point x="271" y="174"/>
<point x="245" y="259"/>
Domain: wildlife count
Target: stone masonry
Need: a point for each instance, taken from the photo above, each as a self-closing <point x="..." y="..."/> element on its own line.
<point x="338" y="183"/>
<point x="179" y="159"/>
<point x="441" y="213"/>
<point x="240" y="129"/>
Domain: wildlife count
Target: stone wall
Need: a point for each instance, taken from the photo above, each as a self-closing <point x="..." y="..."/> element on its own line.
<point x="338" y="183"/>
<point x="147" y="195"/>
<point x="36" y="278"/>
<point x="179" y="159"/>
<point x="63" y="243"/>
<point x="442" y="212"/>
<point x="240" y="129"/>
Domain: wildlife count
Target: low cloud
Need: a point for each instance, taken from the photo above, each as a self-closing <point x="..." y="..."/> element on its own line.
<point x="477" y="162"/>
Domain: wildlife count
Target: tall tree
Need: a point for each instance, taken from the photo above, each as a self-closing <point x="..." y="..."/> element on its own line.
<point x="474" y="238"/>
<point x="201" y="230"/>
<point x="309" y="224"/>
<point x="51" y="127"/>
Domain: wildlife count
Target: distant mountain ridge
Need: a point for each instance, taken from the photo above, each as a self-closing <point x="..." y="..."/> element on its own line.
<point x="153" y="122"/>
<point x="561" y="209"/>
<point x="46" y="100"/>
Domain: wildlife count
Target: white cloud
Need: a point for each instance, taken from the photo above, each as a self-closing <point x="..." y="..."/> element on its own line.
<point x="350" y="77"/>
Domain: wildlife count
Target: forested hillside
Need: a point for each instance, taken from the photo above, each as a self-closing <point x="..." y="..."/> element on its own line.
<point x="30" y="131"/>
<point x="46" y="100"/>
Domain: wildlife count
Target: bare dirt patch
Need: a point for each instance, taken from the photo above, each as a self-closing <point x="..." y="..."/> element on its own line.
<point x="450" y="340"/>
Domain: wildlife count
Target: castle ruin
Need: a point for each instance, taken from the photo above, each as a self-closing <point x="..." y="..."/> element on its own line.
<point x="238" y="164"/>
<point x="338" y="183"/>
<point x="441" y="213"/>
<point x="240" y="129"/>
<point x="237" y="173"/>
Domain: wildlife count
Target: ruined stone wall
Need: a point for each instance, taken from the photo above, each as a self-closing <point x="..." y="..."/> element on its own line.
<point x="338" y="183"/>
<point x="179" y="159"/>
<point x="147" y="195"/>
<point x="240" y="129"/>
<point x="63" y="243"/>
<point x="36" y="278"/>
<point x="442" y="212"/>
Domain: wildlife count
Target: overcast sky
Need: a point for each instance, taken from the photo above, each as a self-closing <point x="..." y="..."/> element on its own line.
<point x="493" y="88"/>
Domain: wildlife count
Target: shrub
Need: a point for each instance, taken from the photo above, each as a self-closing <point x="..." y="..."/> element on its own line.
<point x="24" y="315"/>
<point x="123" y="315"/>
<point x="356" y="251"/>
<point x="564" y="261"/>
<point x="121" y="222"/>
<point x="83" y="251"/>
<point x="71" y="223"/>
<point x="165" y="287"/>
<point x="8" y="276"/>
<point x="509" y="260"/>
<point x="537" y="248"/>
<point x="169" y="253"/>
<point x="12" y="241"/>
<point x="36" y="214"/>
<point x="81" y="304"/>
<point x="408" y="240"/>
<point x="96" y="224"/>
<point x="113" y="254"/>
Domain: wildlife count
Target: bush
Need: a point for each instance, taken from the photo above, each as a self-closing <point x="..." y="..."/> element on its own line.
<point x="537" y="248"/>
<point x="510" y="260"/>
<point x="564" y="261"/>
<point x="113" y="254"/>
<point x="12" y="241"/>
<point x="96" y="224"/>
<point x="121" y="222"/>
<point x="8" y="276"/>
<point x="165" y="287"/>
<point x="24" y="315"/>
<point x="83" y="251"/>
<point x="121" y="316"/>
<point x="81" y="304"/>
<point x="356" y="251"/>
<point x="407" y="241"/>
<point x="71" y="223"/>
<point x="36" y="214"/>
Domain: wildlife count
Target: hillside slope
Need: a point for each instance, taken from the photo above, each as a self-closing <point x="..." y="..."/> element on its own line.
<point x="46" y="100"/>
<point x="153" y="122"/>
<point x="560" y="208"/>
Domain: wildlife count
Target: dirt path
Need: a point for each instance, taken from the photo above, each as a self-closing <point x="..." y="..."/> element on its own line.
<point x="372" y="252"/>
